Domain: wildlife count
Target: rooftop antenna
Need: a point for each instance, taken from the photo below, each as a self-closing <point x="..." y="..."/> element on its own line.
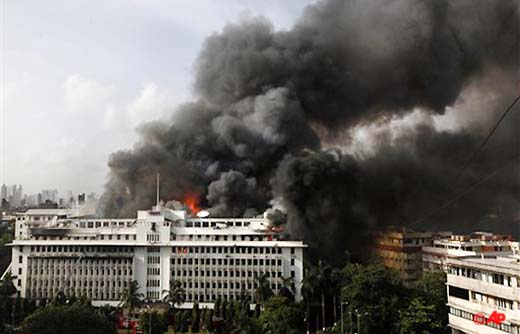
<point x="158" y="189"/>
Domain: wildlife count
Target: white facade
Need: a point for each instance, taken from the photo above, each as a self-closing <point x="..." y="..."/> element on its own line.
<point x="211" y="257"/>
<point x="435" y="257"/>
<point x="479" y="286"/>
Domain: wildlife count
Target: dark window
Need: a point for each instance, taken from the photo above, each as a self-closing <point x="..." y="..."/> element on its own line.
<point x="458" y="292"/>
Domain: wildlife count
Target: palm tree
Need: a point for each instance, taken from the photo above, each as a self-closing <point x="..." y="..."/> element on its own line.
<point x="310" y="288"/>
<point x="131" y="299"/>
<point x="176" y="295"/>
<point x="263" y="289"/>
<point x="7" y="288"/>
<point x="324" y="277"/>
<point x="287" y="287"/>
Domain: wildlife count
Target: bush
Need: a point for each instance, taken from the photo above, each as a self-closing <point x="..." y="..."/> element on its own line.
<point x="66" y="320"/>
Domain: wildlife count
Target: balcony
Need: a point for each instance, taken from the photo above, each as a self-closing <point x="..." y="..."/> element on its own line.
<point x="511" y="293"/>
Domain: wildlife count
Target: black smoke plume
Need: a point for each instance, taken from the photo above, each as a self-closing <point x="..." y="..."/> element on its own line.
<point x="360" y="116"/>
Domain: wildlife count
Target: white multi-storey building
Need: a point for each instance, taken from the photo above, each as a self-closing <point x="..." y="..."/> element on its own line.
<point x="435" y="257"/>
<point x="478" y="287"/>
<point x="97" y="258"/>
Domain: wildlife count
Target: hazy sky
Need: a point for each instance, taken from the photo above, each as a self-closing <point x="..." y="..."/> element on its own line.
<point x="79" y="76"/>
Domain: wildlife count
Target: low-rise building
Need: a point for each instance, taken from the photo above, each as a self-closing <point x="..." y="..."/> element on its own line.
<point x="435" y="256"/>
<point x="211" y="257"/>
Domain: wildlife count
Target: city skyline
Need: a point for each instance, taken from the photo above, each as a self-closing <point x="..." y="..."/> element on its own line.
<point x="16" y="197"/>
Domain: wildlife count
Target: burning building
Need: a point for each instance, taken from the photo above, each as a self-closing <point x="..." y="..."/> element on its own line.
<point x="358" y="117"/>
<point x="212" y="258"/>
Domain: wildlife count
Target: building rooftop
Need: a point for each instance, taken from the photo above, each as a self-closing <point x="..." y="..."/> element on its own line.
<point x="509" y="264"/>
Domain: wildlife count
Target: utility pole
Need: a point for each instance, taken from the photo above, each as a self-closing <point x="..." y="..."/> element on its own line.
<point x="149" y="319"/>
<point x="341" y="314"/>
<point x="359" y="315"/>
<point x="350" y="322"/>
<point x="323" y="309"/>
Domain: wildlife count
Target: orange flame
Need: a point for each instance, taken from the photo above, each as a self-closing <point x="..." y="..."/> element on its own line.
<point x="192" y="202"/>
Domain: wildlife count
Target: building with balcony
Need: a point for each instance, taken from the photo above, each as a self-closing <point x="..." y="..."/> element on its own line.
<point x="211" y="257"/>
<point x="402" y="250"/>
<point x="482" y="289"/>
<point x="435" y="256"/>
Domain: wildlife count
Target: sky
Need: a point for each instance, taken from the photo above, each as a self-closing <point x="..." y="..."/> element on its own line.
<point x="78" y="77"/>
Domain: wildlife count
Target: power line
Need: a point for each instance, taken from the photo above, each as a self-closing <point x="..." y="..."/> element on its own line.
<point x="468" y="190"/>
<point x="486" y="140"/>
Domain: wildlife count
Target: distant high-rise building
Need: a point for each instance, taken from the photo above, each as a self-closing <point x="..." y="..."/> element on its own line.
<point x="17" y="195"/>
<point x="3" y="192"/>
<point x="81" y="199"/>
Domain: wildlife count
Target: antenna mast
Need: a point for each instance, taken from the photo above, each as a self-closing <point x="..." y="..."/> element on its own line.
<point x="158" y="189"/>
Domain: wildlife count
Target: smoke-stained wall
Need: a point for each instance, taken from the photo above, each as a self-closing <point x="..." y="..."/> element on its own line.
<point x="359" y="116"/>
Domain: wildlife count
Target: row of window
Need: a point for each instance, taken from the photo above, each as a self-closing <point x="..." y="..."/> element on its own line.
<point x="229" y="250"/>
<point x="471" y="316"/>
<point x="153" y="271"/>
<point x="211" y="298"/>
<point x="82" y="262"/>
<point x="493" y="301"/>
<point x="91" y="294"/>
<point x="220" y="261"/>
<point x="216" y="237"/>
<point x="153" y="237"/>
<point x="482" y="275"/>
<point x="153" y="295"/>
<point x="214" y="223"/>
<point x="153" y="283"/>
<point x="91" y="272"/>
<point x="112" y="223"/>
<point x="80" y="283"/>
<point x="79" y="249"/>
<point x="224" y="285"/>
<point x="223" y="273"/>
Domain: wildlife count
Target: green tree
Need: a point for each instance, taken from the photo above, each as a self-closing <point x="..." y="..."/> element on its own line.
<point x="5" y="239"/>
<point x="208" y="319"/>
<point x="7" y="288"/>
<point x="159" y="322"/>
<point x="418" y="318"/>
<point x="320" y="288"/>
<point x="310" y="289"/>
<point x="65" y="320"/>
<point x="263" y="289"/>
<point x="176" y="295"/>
<point x="195" y="318"/>
<point x="217" y="307"/>
<point x="131" y="299"/>
<point x="8" y="296"/>
<point x="281" y="316"/>
<point x="432" y="288"/>
<point x="240" y="321"/>
<point x="185" y="322"/>
<point x="376" y="290"/>
<point x="59" y="299"/>
<point x="287" y="288"/>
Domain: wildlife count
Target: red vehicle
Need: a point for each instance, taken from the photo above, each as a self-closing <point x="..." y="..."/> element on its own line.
<point x="125" y="323"/>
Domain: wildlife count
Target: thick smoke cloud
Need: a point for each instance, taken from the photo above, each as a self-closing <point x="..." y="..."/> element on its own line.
<point x="271" y="106"/>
